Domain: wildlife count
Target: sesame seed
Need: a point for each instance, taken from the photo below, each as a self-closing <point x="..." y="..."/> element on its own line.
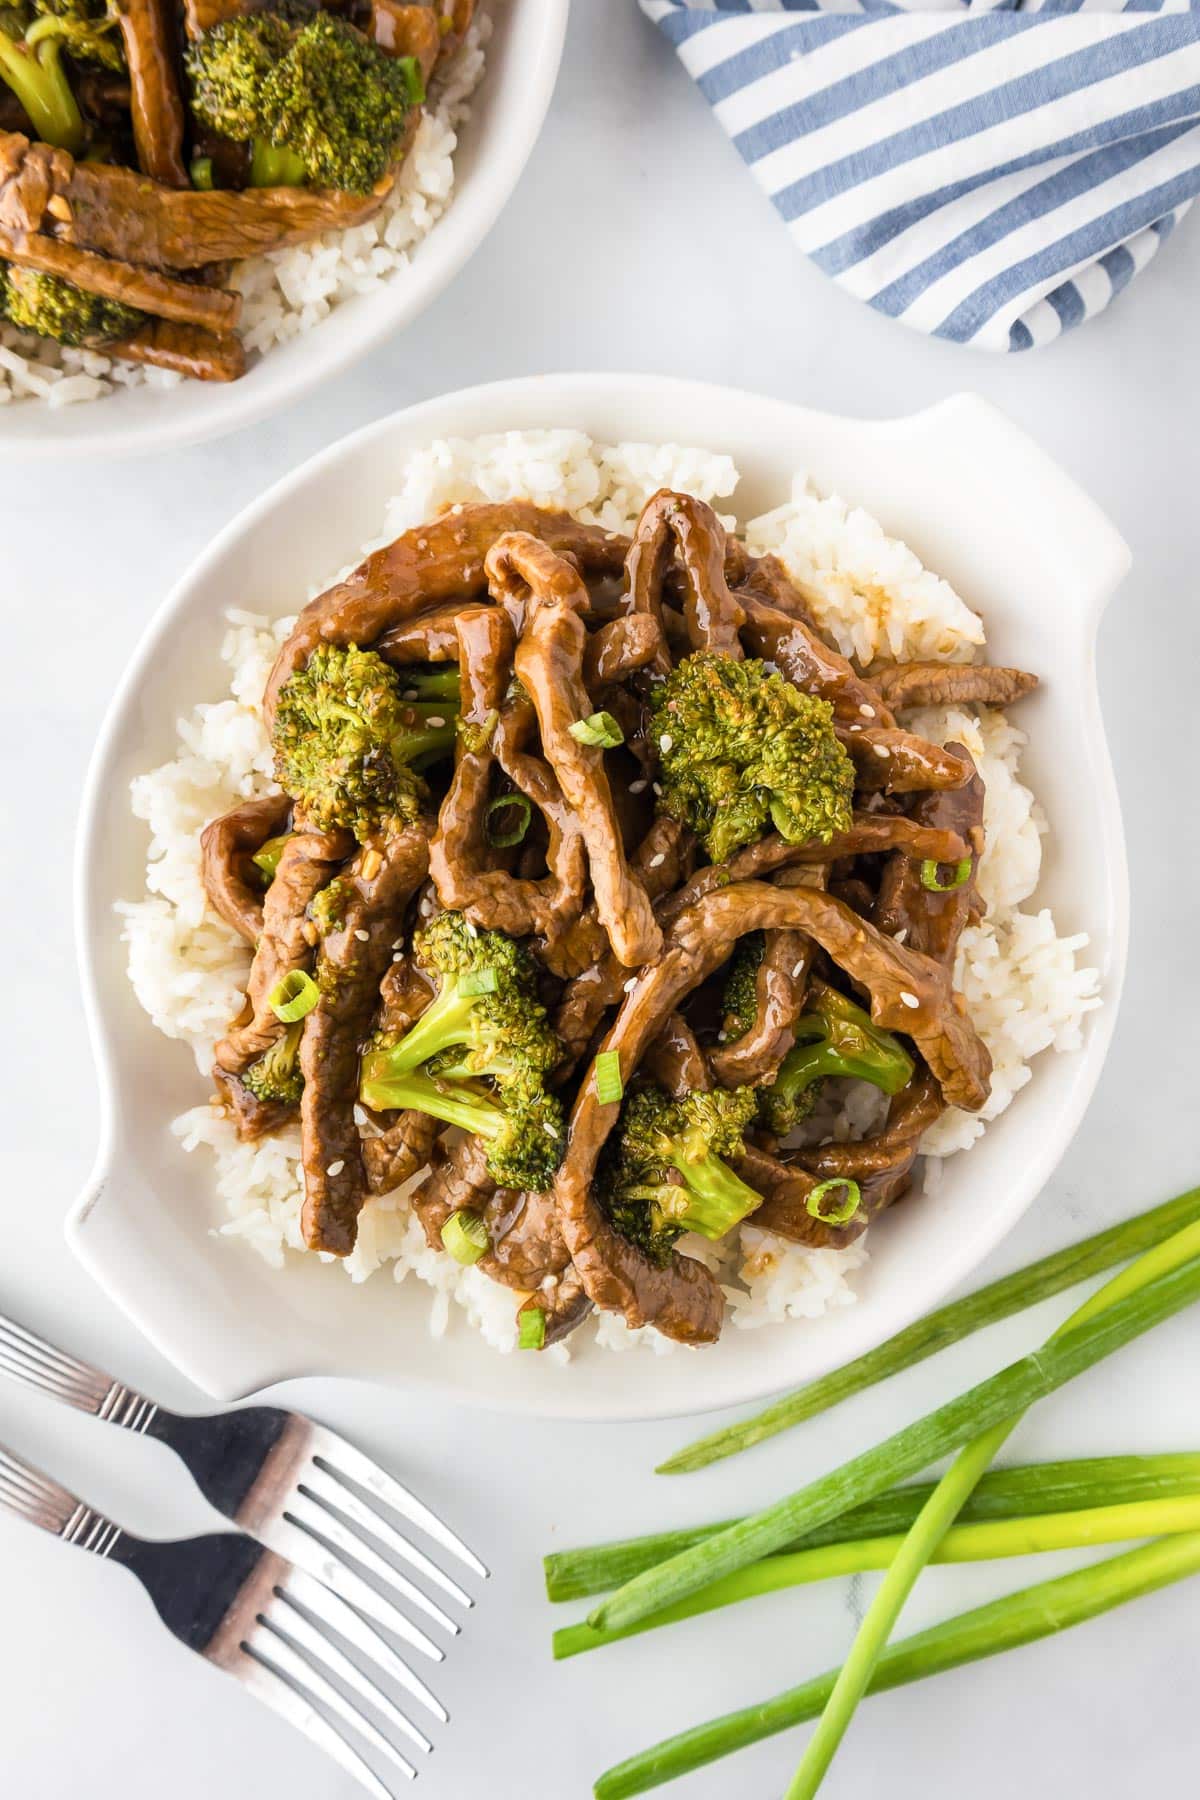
<point x="308" y="932"/>
<point x="630" y="984"/>
<point x="868" y="712"/>
<point x="410" y="693"/>
<point x="657" y="788"/>
<point x="881" y="750"/>
<point x="665" y="742"/>
<point x="656" y="862"/>
<point x="549" y="1283"/>
<point x="335" y="1168"/>
<point x="549" y="1129"/>
<point x="638" y="787"/>
<point x="422" y="543"/>
<point x="856" y="728"/>
<point x="397" y="956"/>
<point x="472" y="930"/>
<point x="901" y="936"/>
<point x="457" y="507"/>
<point x="397" y="943"/>
<point x="364" y="937"/>
<point x="435" y="720"/>
<point x="360" y="1117"/>
<point x="909" y="999"/>
<point x="798" y="971"/>
<point x="721" y="1036"/>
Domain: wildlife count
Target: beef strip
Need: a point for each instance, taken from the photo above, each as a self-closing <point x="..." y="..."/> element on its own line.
<point x="947" y="684"/>
<point x="527" y="1250"/>
<point x="767" y="580"/>
<point x="676" y="1061"/>
<point x="563" y="1302"/>
<point x="184" y="349"/>
<point x="800" y="655"/>
<point x="156" y="105"/>
<point x="163" y="296"/>
<point x="307" y="862"/>
<point x="125" y="214"/>
<point x="678" y="526"/>
<point x="431" y="637"/>
<point x="227" y="845"/>
<point x="406" y="31"/>
<point x="380" y="882"/>
<point x="780" y="984"/>
<point x="549" y="662"/>
<point x="881" y="1165"/>
<point x="398" y="1144"/>
<point x="621" y="648"/>
<point x="662" y="860"/>
<point x="933" y="921"/>
<point x="427" y="567"/>
<point x="460" y="864"/>
<point x="895" y="762"/>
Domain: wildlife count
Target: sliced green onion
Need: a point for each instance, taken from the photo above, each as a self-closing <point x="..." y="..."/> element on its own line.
<point x="414" y="81"/>
<point x="267" y="856"/>
<point x="601" y="730"/>
<point x="513" y="833"/>
<point x="609" y="1086"/>
<point x="477" y="981"/>
<point x="293" y="996"/>
<point x="836" y="1215"/>
<point x="931" y="879"/>
<point x="531" y="1329"/>
<point x="465" y="1236"/>
<point x="201" y="171"/>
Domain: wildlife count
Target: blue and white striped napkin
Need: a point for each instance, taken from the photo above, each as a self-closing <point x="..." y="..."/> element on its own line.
<point x="990" y="171"/>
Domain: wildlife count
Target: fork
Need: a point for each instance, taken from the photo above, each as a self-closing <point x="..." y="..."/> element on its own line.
<point x="293" y="1485"/>
<point x="251" y="1613"/>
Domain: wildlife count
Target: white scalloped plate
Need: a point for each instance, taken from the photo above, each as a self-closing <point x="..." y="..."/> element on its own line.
<point x="979" y="503"/>
<point x="495" y="143"/>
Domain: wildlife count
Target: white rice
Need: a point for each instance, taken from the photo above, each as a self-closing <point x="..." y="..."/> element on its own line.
<point x="1025" y="986"/>
<point x="286" y="292"/>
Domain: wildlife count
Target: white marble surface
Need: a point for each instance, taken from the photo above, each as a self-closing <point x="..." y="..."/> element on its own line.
<point x="634" y="241"/>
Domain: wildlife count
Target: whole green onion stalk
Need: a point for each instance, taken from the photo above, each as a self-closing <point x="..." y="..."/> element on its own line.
<point x="942" y="1508"/>
<point x="907" y="1452"/>
<point x="1021" y="1618"/>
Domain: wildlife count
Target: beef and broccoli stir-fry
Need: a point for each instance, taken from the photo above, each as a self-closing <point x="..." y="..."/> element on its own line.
<point x="146" y="145"/>
<point x="594" y="867"/>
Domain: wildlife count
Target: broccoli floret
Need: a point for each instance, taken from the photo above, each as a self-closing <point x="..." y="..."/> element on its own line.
<point x="521" y="1124"/>
<point x="276" y="1075"/>
<point x="345" y="742"/>
<point x="479" y="1054"/>
<point x="740" y="999"/>
<point x="834" y="1038"/>
<point x="741" y="749"/>
<point x="663" y="1172"/>
<point x="321" y="105"/>
<point x="54" y="308"/>
<point x="31" y="45"/>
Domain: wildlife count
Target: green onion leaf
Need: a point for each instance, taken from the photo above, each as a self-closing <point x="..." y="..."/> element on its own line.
<point x="931" y="879"/>
<point x="477" y="981"/>
<point x="465" y="1236"/>
<point x="609" y="1086"/>
<point x="201" y="172"/>
<point x="293" y="996"/>
<point x="531" y="1329"/>
<point x="834" y="1215"/>
<point x="511" y="834"/>
<point x="600" y="730"/>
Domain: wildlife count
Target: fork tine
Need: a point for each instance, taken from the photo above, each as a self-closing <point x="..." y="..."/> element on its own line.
<point x="308" y="1638"/>
<point x="312" y="1516"/>
<point x="307" y="1668"/>
<point x="319" y="1599"/>
<point x="303" y="1547"/>
<point x="322" y="1484"/>
<point x="261" y="1678"/>
<point x="342" y="1459"/>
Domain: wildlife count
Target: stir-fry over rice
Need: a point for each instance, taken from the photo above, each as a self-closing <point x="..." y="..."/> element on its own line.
<point x="286" y="292"/>
<point x="1025" y="987"/>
